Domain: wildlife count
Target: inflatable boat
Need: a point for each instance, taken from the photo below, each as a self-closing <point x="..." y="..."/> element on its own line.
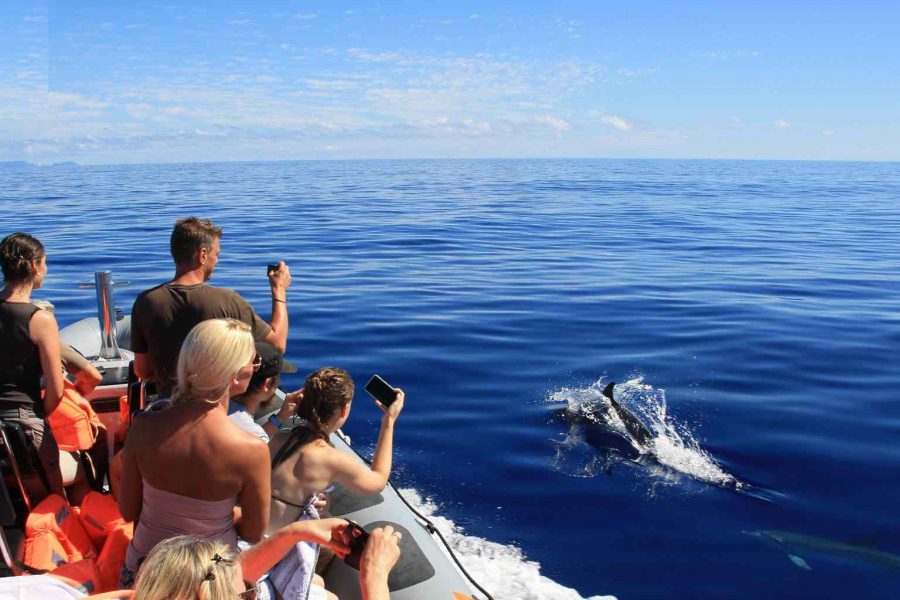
<point x="427" y="570"/>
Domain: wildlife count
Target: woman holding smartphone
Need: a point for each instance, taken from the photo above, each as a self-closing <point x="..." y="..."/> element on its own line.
<point x="304" y="464"/>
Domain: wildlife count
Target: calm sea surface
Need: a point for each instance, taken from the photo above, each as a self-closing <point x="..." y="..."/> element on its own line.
<point x="751" y="311"/>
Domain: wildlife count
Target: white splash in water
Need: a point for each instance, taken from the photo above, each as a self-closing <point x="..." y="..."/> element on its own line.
<point x="503" y="570"/>
<point x="675" y="450"/>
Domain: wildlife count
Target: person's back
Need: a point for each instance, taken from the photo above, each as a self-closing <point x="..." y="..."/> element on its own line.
<point x="29" y="352"/>
<point x="162" y="316"/>
<point x="303" y="461"/>
<point x="186" y="467"/>
<point x="20" y="369"/>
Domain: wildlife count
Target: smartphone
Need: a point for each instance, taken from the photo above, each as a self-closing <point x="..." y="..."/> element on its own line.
<point x="358" y="539"/>
<point x="271" y="268"/>
<point x="379" y="389"/>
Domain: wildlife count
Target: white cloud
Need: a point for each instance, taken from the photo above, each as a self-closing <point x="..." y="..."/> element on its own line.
<point x="828" y="133"/>
<point x="736" y="121"/>
<point x="557" y="124"/>
<point x="34" y="19"/>
<point x="616" y="122"/>
<point x="781" y="124"/>
<point x="474" y="16"/>
<point x="62" y="100"/>
<point x="306" y="16"/>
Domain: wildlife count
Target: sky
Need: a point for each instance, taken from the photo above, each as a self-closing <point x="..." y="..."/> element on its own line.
<point x="130" y="81"/>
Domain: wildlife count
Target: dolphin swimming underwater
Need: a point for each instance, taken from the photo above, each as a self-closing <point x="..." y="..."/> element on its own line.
<point x="794" y="543"/>
<point x="637" y="430"/>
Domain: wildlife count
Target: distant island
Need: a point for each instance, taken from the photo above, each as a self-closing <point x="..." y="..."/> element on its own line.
<point x="22" y="164"/>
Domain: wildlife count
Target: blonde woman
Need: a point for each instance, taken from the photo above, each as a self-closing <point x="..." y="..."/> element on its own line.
<point x="190" y="568"/>
<point x="187" y="568"/>
<point x="186" y="467"/>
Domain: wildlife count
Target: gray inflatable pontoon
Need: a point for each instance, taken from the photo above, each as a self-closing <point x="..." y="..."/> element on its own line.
<point x="427" y="569"/>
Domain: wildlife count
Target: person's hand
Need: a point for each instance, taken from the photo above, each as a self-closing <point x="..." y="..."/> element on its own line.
<point x="327" y="532"/>
<point x="280" y="279"/>
<point x="379" y="556"/>
<point x="393" y="411"/>
<point x="289" y="408"/>
<point x="321" y="501"/>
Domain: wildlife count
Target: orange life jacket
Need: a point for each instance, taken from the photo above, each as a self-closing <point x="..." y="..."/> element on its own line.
<point x="112" y="557"/>
<point x="57" y="517"/>
<point x="73" y="421"/>
<point x="44" y="551"/>
<point x="99" y="514"/>
<point x="81" y="575"/>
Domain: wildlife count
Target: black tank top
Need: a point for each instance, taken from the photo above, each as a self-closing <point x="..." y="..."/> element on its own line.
<point x="20" y="361"/>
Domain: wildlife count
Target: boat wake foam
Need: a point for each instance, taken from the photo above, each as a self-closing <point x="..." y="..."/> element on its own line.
<point x="597" y="438"/>
<point x="503" y="570"/>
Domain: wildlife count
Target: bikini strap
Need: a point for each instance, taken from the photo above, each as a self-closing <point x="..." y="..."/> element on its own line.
<point x="300" y="436"/>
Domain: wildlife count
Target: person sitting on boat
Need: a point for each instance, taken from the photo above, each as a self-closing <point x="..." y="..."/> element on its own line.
<point x="29" y="345"/>
<point x="162" y="316"/>
<point x="305" y="463"/>
<point x="261" y="393"/>
<point x="189" y="567"/>
<point x="185" y="468"/>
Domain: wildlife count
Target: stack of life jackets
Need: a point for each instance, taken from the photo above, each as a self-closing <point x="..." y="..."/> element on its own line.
<point x="82" y="546"/>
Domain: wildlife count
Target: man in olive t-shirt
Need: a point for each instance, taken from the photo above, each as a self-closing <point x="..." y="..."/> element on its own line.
<point x="163" y="316"/>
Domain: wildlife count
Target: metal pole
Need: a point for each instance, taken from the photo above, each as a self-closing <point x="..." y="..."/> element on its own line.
<point x="106" y="314"/>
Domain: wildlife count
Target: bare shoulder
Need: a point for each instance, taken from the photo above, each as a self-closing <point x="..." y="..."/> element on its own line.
<point x="248" y="449"/>
<point x="42" y="323"/>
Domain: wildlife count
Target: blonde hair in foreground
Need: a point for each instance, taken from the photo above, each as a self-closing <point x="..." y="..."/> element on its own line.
<point x="182" y="568"/>
<point x="211" y="355"/>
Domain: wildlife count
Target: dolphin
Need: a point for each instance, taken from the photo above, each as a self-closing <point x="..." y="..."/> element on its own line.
<point x="794" y="543"/>
<point x="637" y="430"/>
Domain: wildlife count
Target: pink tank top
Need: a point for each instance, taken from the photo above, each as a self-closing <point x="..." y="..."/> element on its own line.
<point x="165" y="515"/>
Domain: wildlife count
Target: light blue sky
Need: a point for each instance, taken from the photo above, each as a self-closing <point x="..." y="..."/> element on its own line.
<point x="169" y="81"/>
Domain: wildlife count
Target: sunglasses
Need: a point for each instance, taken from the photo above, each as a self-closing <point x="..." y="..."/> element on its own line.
<point x="257" y="362"/>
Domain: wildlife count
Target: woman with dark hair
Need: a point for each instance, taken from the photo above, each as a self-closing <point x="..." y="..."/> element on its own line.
<point x="29" y="347"/>
<point x="304" y="463"/>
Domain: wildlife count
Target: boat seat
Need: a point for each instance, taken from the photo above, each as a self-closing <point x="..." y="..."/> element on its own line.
<point x="411" y="569"/>
<point x="140" y="391"/>
<point x="343" y="501"/>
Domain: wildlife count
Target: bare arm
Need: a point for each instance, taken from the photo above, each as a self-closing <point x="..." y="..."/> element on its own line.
<point x="257" y="491"/>
<point x="280" y="281"/>
<point x="44" y="333"/>
<point x="256" y="561"/>
<point x="143" y="368"/>
<point x="379" y="557"/>
<point x="131" y="487"/>
<point x="286" y="411"/>
<point x="371" y="481"/>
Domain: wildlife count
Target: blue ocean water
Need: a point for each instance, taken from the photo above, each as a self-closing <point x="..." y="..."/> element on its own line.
<point x="749" y="309"/>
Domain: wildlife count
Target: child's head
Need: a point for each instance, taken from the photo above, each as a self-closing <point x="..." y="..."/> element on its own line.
<point x="327" y="395"/>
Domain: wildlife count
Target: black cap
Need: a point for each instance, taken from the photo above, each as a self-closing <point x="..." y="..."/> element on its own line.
<point x="271" y="362"/>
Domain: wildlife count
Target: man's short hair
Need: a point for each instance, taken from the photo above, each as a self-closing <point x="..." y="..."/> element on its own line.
<point x="190" y="235"/>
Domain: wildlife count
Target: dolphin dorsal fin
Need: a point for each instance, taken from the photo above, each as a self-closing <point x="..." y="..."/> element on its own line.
<point x="608" y="390"/>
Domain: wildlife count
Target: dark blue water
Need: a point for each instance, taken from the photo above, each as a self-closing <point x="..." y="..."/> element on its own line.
<point x="750" y="307"/>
